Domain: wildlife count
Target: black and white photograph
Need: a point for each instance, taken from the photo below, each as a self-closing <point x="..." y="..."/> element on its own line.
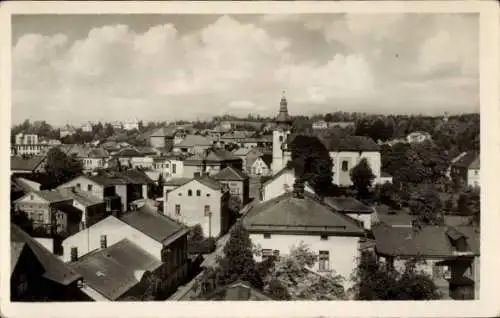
<point x="218" y="156"/>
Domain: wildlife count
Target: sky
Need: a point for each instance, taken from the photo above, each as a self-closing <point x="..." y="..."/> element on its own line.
<point x="78" y="68"/>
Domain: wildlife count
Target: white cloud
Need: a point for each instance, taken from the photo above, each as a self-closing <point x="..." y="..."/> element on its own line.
<point x="161" y="74"/>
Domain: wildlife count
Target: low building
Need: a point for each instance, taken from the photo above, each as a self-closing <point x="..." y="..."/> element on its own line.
<point x="321" y="124"/>
<point x="193" y="144"/>
<point x="20" y="165"/>
<point x="279" y="184"/>
<point x="162" y="138"/>
<point x="247" y="156"/>
<point x="93" y="208"/>
<point x="465" y="169"/>
<point x="352" y="208"/>
<point x="38" y="275"/>
<point x="151" y="236"/>
<point x="284" y="221"/>
<point x="202" y="201"/>
<point x="211" y="163"/>
<point x="450" y="255"/>
<point x="260" y="166"/>
<point x="236" y="181"/>
<point x="474" y="173"/>
<point x="169" y="166"/>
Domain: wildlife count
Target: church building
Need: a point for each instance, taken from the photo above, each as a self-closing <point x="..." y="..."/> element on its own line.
<point x="280" y="133"/>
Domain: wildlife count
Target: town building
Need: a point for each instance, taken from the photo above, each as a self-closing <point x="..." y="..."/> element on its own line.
<point x="38" y="275"/>
<point x="193" y="144"/>
<point x="202" y="201"/>
<point x="111" y="252"/>
<point x="169" y="166"/>
<point x="320" y="124"/>
<point x="162" y="138"/>
<point x="87" y="127"/>
<point x="93" y="209"/>
<point x="29" y="145"/>
<point x="211" y="163"/>
<point x="260" y="166"/>
<point x="131" y="125"/>
<point x="465" y="169"/>
<point x="342" y="125"/>
<point x="235" y="137"/>
<point x="282" y="222"/>
<point x="247" y="155"/>
<point x="450" y="255"/>
<point x="279" y="184"/>
<point x="418" y="137"/>
<point x="66" y="131"/>
<point x="352" y="208"/>
<point x="20" y="165"/>
<point x="236" y="181"/>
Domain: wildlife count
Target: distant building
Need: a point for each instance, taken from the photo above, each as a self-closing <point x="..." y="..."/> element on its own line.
<point x="210" y="163"/>
<point x="202" y="201"/>
<point x="465" y="168"/>
<point x="281" y="132"/>
<point x="248" y="157"/>
<point x="418" y="137"/>
<point x="236" y="181"/>
<point x="279" y="184"/>
<point x="19" y="165"/>
<point x="131" y="125"/>
<point x="162" y="138"/>
<point x="169" y="166"/>
<point x="342" y="124"/>
<point x="352" y="208"/>
<point x="29" y="145"/>
<point x="193" y="144"/>
<point x="87" y="127"/>
<point x="66" y="131"/>
<point x="321" y="124"/>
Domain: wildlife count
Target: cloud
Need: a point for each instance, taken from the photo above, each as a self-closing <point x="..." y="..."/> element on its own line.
<point x="163" y="73"/>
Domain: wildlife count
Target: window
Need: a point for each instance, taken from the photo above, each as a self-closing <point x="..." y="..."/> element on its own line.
<point x="476" y="172"/>
<point x="324" y="261"/>
<point x="345" y="165"/>
<point x="177" y="209"/>
<point x="197" y="174"/>
<point x="266" y="253"/>
<point x="179" y="194"/>
<point x="174" y="168"/>
<point x="208" y="194"/>
<point x="89" y="187"/>
<point x="40" y="216"/>
<point x="324" y="237"/>
<point x="281" y="138"/>
<point x="78" y="185"/>
<point x="198" y="193"/>
<point x="190" y="193"/>
<point x="267" y="235"/>
<point x="207" y="210"/>
<point x="32" y="197"/>
<point x="276" y="253"/>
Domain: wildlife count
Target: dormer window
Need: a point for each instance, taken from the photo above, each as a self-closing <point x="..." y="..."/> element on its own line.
<point x="190" y="193"/>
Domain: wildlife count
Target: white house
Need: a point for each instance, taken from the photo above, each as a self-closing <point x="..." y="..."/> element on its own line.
<point x="474" y="173"/>
<point x="321" y="124"/>
<point x="284" y="221"/>
<point x="169" y="167"/>
<point x="131" y="125"/>
<point x="200" y="201"/>
<point x="418" y="137"/>
<point x="279" y="184"/>
<point x="259" y="167"/>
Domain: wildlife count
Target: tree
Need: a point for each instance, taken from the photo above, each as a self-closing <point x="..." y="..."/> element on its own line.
<point x="377" y="281"/>
<point x="238" y="261"/>
<point x="362" y="177"/>
<point x="60" y="168"/>
<point x="426" y="204"/>
<point x="312" y="163"/>
<point x="300" y="283"/>
<point x="277" y="291"/>
<point x="196" y="233"/>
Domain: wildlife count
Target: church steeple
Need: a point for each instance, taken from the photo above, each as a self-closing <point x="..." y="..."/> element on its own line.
<point x="283" y="117"/>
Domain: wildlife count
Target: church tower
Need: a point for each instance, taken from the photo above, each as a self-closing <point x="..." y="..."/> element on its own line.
<point x="280" y="134"/>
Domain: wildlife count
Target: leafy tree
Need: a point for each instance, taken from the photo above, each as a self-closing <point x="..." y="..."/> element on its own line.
<point x="61" y="168"/>
<point x="238" y="261"/>
<point x="196" y="233"/>
<point x="312" y="163"/>
<point x="20" y="218"/>
<point x="377" y="281"/>
<point x="426" y="204"/>
<point x="300" y="283"/>
<point x="277" y="291"/>
<point x="362" y="177"/>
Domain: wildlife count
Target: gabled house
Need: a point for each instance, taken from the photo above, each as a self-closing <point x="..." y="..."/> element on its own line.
<point x="193" y="144"/>
<point x="169" y="166"/>
<point x="260" y="166"/>
<point x="142" y="235"/>
<point x="247" y="156"/>
<point x="450" y="255"/>
<point x="38" y="275"/>
<point x="281" y="222"/>
<point x="49" y="210"/>
<point x="211" y="162"/>
<point x="202" y="201"/>
<point x="20" y="165"/>
<point x="465" y="168"/>
<point x="162" y="138"/>
<point x="352" y="208"/>
<point x="93" y="208"/>
<point x="236" y="181"/>
<point x="280" y="183"/>
<point x="236" y="291"/>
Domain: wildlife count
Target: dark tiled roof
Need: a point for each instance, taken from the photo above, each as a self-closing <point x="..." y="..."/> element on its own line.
<point x="98" y="153"/>
<point x="194" y="140"/>
<point x="128" y="152"/>
<point x="113" y="271"/>
<point x="429" y="241"/>
<point x="85" y="198"/>
<point x="347" y="205"/>
<point x="159" y="227"/>
<point x="209" y="182"/>
<point x="50" y="195"/>
<point x="385" y="174"/>
<point x="16" y="249"/>
<point x="230" y="174"/>
<point x="177" y="182"/>
<point x="268" y="159"/>
<point x="351" y="143"/>
<point x="124" y="177"/>
<point x="289" y="214"/>
<point x="238" y="290"/>
<point x="475" y="164"/>
<point x="18" y="163"/>
<point x="393" y="217"/>
<point x="214" y="156"/>
<point x="72" y="212"/>
<point x="55" y="269"/>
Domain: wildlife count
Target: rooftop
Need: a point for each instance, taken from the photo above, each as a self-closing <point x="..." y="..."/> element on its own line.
<point x="29" y="164"/>
<point x="230" y="174"/>
<point x="194" y="140"/>
<point x="55" y="269"/>
<point x="115" y="270"/>
<point x="239" y="290"/>
<point x="347" y="205"/>
<point x="163" y="132"/>
<point x="287" y="213"/>
<point x="466" y="160"/>
<point x="130" y="176"/>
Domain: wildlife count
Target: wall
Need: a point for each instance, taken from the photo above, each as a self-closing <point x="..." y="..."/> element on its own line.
<point x="121" y="191"/>
<point x="192" y="208"/>
<point x="97" y="189"/>
<point x="366" y="218"/>
<point x="474" y="177"/>
<point x="343" y="251"/>
<point x="115" y="230"/>
<point x="142" y="162"/>
<point x="236" y="188"/>
<point x="277" y="163"/>
<point x="343" y="178"/>
<point x="190" y="170"/>
<point x="277" y="186"/>
<point x="259" y="168"/>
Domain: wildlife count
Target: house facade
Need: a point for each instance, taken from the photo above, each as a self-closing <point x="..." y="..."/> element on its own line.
<point x="279" y="184"/>
<point x="236" y="182"/>
<point x="193" y="144"/>
<point x="169" y="167"/>
<point x="199" y="201"/>
<point x="344" y="160"/>
<point x="210" y="163"/>
<point x="162" y="138"/>
<point x="260" y="167"/>
<point x="465" y="169"/>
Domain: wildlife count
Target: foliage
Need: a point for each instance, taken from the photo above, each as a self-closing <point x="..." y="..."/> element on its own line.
<point x="426" y="204"/>
<point x="300" y="283"/>
<point x="20" y="218"/>
<point x="196" y="233"/>
<point x="377" y="281"/>
<point x="277" y="291"/>
<point x="61" y="168"/>
<point x="238" y="261"/>
<point x="312" y="163"/>
<point x="362" y="177"/>
<point x="388" y="194"/>
<point x="469" y="203"/>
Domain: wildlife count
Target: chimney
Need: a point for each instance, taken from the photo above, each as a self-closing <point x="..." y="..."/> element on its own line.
<point x="104" y="241"/>
<point x="298" y="188"/>
<point x="74" y="254"/>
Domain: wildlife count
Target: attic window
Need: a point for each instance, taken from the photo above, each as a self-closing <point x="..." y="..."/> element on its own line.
<point x="208" y="194"/>
<point x="267" y="235"/>
<point x="324" y="237"/>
